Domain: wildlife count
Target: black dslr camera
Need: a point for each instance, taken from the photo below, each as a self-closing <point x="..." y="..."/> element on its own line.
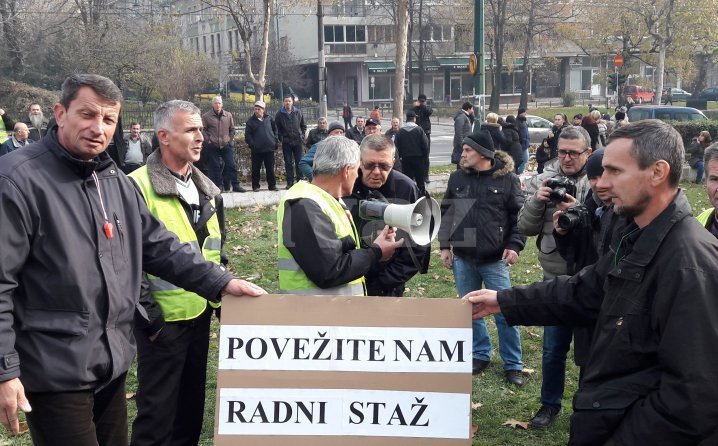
<point x="560" y="187"/>
<point x="575" y="217"/>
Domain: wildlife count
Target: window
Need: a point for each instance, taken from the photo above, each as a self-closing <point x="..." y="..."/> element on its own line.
<point x="211" y="38"/>
<point x="219" y="43"/>
<point x="346" y="39"/>
<point x="229" y="39"/>
<point x="379" y="34"/>
<point x="204" y="43"/>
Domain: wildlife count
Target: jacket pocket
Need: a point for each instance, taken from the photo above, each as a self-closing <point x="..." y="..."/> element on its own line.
<point x="67" y="322"/>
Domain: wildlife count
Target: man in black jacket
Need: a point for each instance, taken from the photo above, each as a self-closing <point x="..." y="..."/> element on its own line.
<point x="377" y="179"/>
<point x="291" y="130"/>
<point x="413" y="148"/>
<point x="479" y="240"/>
<point x="423" y="120"/>
<point x="66" y="336"/>
<point x="318" y="133"/>
<point x="651" y="375"/>
<point x="260" y="133"/>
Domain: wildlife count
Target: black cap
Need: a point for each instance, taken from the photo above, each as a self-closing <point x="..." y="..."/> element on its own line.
<point x="371" y="121"/>
<point x="421" y="97"/>
<point x="593" y="164"/>
<point x="521" y="110"/>
<point x="481" y="142"/>
<point x="410" y="114"/>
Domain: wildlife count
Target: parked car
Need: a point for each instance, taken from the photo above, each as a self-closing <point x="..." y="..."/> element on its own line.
<point x="664" y="113"/>
<point x="677" y="94"/>
<point x="639" y="94"/>
<point x="709" y="94"/>
<point x="538" y="128"/>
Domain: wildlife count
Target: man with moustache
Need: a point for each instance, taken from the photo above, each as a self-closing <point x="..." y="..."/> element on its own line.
<point x="18" y="139"/>
<point x="36" y="122"/>
<point x="377" y="179"/>
<point x="709" y="217"/>
<point x="66" y="340"/>
<point x="651" y="374"/>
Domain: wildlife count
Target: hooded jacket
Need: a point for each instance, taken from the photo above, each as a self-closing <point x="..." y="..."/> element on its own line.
<point x="68" y="292"/>
<point x="411" y="141"/>
<point x="261" y="136"/>
<point x="479" y="212"/>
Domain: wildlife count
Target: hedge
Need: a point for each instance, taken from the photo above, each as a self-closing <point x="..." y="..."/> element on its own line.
<point x="692" y="129"/>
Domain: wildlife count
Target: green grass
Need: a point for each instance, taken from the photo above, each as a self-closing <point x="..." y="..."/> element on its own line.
<point x="251" y="247"/>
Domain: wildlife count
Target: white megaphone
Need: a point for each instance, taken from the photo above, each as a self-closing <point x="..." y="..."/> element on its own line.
<point x="421" y="220"/>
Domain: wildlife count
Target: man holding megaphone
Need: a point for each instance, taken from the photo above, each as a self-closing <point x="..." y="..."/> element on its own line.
<point x="378" y="180"/>
<point x="318" y="245"/>
<point x="480" y="239"/>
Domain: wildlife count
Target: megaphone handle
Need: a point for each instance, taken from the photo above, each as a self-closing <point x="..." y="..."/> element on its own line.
<point x="429" y="202"/>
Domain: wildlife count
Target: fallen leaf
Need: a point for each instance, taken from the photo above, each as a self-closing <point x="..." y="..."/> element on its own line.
<point x="23" y="428"/>
<point x="474" y="429"/>
<point x="420" y="291"/>
<point x="533" y="334"/>
<point x="528" y="371"/>
<point x="436" y="276"/>
<point x="516" y="424"/>
<point x="129" y="395"/>
<point x="213" y="336"/>
<point x="476" y="405"/>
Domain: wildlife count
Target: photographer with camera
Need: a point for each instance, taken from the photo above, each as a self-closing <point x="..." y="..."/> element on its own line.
<point x="583" y="232"/>
<point x="545" y="191"/>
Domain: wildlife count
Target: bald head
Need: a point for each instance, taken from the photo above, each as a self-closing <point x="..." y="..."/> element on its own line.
<point x="21" y="131"/>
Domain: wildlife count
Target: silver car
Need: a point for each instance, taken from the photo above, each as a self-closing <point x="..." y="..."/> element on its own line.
<point x="539" y="128"/>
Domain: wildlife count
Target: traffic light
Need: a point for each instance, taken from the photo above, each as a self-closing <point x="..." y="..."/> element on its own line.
<point x="612" y="81"/>
<point x="622" y="79"/>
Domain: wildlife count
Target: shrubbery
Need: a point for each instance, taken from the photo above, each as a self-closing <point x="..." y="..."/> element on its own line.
<point x="692" y="129"/>
<point x="16" y="98"/>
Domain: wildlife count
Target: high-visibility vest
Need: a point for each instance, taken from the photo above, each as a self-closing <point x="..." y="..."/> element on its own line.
<point x="292" y="279"/>
<point x="4" y="133"/>
<point x="705" y="216"/>
<point x="177" y="303"/>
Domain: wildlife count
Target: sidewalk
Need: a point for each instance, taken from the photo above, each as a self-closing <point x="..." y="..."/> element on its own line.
<point x="265" y="197"/>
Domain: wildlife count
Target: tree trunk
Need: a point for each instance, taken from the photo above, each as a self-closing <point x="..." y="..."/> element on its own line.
<point x="402" y="24"/>
<point x="526" y="85"/>
<point x="660" y="68"/>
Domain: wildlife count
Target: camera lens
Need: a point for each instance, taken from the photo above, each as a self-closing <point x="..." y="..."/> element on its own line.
<point x="568" y="220"/>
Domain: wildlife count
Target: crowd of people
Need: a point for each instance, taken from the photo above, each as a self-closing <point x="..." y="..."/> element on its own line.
<point x="630" y="275"/>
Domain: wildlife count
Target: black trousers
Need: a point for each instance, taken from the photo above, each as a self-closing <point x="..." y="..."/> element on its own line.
<point x="83" y="418"/>
<point x="266" y="159"/>
<point x="416" y="168"/>
<point x="171" y="377"/>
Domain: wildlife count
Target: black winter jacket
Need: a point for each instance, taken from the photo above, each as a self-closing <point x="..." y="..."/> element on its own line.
<point x="411" y="141"/>
<point x="651" y="376"/>
<point x="512" y="144"/>
<point x="69" y="292"/>
<point x="479" y="212"/>
<point x="290" y="126"/>
<point x="261" y="136"/>
<point x="389" y="278"/>
<point x="316" y="135"/>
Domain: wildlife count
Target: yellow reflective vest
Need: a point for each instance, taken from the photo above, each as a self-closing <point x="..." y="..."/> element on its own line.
<point x="4" y="133"/>
<point x="177" y="303"/>
<point x="292" y="279"/>
<point x="705" y="216"/>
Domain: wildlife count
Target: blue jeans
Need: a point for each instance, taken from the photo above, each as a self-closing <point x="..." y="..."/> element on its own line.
<point x="524" y="160"/>
<point x="556" y="344"/>
<point x="700" y="168"/>
<point x="292" y="156"/>
<point x="495" y="276"/>
<point x="218" y="159"/>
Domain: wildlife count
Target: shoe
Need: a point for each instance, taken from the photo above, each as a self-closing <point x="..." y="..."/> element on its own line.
<point x="289" y="186"/>
<point x="274" y="188"/>
<point x="255" y="189"/>
<point x="238" y="188"/>
<point x="545" y="417"/>
<point x="478" y="366"/>
<point x="515" y="377"/>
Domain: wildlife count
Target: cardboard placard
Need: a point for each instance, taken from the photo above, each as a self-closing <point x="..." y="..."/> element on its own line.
<point x="328" y="370"/>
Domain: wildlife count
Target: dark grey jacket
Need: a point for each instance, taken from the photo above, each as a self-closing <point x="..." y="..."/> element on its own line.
<point x="261" y="136"/>
<point x="68" y="292"/>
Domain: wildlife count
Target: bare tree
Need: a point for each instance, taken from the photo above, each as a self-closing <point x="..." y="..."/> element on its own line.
<point x="245" y="15"/>
<point x="402" y="28"/>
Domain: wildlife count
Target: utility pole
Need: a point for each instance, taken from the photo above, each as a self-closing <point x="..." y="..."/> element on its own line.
<point x="421" y="48"/>
<point x="322" y="62"/>
<point x="277" y="51"/>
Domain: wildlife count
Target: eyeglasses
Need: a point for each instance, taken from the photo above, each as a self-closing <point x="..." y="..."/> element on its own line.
<point x="369" y="167"/>
<point x="570" y="153"/>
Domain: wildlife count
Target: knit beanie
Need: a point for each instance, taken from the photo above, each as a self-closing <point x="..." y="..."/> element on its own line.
<point x="481" y="142"/>
<point x="594" y="168"/>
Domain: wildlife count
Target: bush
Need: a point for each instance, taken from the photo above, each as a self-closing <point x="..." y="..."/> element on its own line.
<point x="569" y="99"/>
<point x="16" y="98"/>
<point x="692" y="129"/>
